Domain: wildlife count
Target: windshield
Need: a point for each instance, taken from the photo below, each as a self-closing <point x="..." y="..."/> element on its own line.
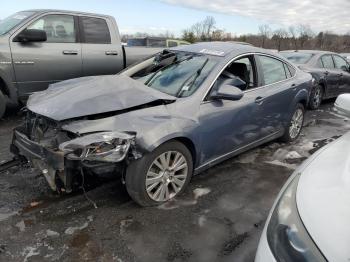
<point x="174" y="73"/>
<point x="136" y="42"/>
<point x="10" y="22"/>
<point x="297" y="58"/>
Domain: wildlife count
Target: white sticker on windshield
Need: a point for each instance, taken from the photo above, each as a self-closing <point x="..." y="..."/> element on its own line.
<point x="212" y="52"/>
<point x="19" y="17"/>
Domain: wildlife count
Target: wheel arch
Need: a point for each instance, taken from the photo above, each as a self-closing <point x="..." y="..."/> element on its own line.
<point x="185" y="140"/>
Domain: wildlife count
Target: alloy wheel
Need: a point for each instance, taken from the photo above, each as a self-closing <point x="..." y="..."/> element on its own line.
<point x="317" y="97"/>
<point x="166" y="176"/>
<point x="296" y="123"/>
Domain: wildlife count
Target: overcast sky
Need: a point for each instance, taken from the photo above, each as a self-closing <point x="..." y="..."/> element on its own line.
<point x="236" y="16"/>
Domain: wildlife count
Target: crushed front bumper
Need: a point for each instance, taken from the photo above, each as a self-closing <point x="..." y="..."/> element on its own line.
<point x="51" y="163"/>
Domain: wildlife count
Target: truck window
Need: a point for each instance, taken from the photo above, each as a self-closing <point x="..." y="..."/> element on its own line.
<point x="58" y="28"/>
<point x="95" y="30"/>
<point x="172" y="44"/>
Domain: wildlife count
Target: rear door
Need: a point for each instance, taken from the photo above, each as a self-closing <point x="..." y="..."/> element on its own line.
<point x="38" y="64"/>
<point x="279" y="91"/>
<point x="331" y="75"/>
<point x="102" y="53"/>
<point x="342" y="66"/>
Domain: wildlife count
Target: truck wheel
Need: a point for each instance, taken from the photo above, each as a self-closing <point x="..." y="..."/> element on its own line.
<point x="2" y="105"/>
<point x="295" y="125"/>
<point x="160" y="175"/>
<point x="316" y="97"/>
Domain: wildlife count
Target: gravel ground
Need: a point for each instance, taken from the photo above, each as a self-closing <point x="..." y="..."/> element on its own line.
<point x="218" y="218"/>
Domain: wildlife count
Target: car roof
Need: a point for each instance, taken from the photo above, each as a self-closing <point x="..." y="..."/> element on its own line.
<point x="42" y="11"/>
<point x="220" y="48"/>
<point x="308" y="51"/>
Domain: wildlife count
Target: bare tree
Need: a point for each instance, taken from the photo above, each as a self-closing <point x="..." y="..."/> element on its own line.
<point x="294" y="36"/>
<point x="264" y="32"/>
<point x="278" y="36"/>
<point x="305" y="33"/>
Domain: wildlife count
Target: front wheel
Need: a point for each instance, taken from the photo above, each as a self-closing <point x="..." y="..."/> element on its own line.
<point x="160" y="175"/>
<point x="295" y="124"/>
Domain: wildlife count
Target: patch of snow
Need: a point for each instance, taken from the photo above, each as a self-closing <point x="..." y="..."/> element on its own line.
<point x="71" y="230"/>
<point x="21" y="226"/>
<point x="279" y="163"/>
<point x="51" y="233"/>
<point x="29" y="252"/>
<point x="293" y="155"/>
<point x="201" y="220"/>
<point x="199" y="192"/>
<point x="6" y="215"/>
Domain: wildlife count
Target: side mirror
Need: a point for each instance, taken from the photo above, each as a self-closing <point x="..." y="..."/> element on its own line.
<point x="342" y="104"/>
<point x="31" y="35"/>
<point x="227" y="92"/>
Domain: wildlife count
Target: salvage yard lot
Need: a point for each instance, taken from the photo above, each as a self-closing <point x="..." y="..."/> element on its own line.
<point x="218" y="218"/>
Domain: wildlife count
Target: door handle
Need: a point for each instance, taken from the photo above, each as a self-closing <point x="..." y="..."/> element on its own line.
<point x="326" y="72"/>
<point x="340" y="74"/>
<point x="293" y="86"/>
<point x="259" y="100"/>
<point x="111" y="53"/>
<point x="70" y="52"/>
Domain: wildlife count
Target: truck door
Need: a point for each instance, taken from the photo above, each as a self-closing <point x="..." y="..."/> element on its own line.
<point x="102" y="52"/>
<point x="38" y="64"/>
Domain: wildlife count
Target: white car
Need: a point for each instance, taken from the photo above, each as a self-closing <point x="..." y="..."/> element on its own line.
<point x="310" y="220"/>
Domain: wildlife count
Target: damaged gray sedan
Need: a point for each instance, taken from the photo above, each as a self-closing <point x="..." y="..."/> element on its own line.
<point x="160" y="121"/>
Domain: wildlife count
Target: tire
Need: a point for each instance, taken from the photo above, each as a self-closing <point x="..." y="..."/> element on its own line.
<point x="167" y="182"/>
<point x="295" y="124"/>
<point x="316" y="97"/>
<point x="2" y="105"/>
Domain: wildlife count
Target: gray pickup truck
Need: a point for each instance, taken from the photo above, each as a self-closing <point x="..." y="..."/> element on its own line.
<point x="41" y="47"/>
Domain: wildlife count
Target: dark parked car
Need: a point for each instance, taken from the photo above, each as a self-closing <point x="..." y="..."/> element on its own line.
<point x="164" y="119"/>
<point x="330" y="71"/>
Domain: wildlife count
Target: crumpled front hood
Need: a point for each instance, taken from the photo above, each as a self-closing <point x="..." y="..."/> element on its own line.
<point x="323" y="199"/>
<point x="92" y="95"/>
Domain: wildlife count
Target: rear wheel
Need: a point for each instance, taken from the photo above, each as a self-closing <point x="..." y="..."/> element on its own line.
<point x="2" y="105"/>
<point x="295" y="124"/>
<point x="161" y="175"/>
<point x="316" y="97"/>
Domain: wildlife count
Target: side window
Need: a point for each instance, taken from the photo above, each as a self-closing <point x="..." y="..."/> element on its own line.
<point x="289" y="75"/>
<point x="58" y="28"/>
<point x="340" y="63"/>
<point x="319" y="63"/>
<point x="291" y="70"/>
<point x="94" y="30"/>
<point x="172" y="44"/>
<point x="272" y="69"/>
<point x="327" y="61"/>
<point x="240" y="73"/>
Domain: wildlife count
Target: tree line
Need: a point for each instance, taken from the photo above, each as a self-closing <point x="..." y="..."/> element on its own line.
<point x="293" y="37"/>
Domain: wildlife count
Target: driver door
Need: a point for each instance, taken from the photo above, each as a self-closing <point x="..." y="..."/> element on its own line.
<point x="225" y="125"/>
<point x="38" y="64"/>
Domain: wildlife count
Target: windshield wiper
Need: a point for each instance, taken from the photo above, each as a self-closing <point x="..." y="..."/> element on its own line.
<point x="186" y="87"/>
<point x="187" y="57"/>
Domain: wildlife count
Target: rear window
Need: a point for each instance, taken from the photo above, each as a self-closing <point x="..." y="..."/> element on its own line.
<point x="95" y="31"/>
<point x="297" y="58"/>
